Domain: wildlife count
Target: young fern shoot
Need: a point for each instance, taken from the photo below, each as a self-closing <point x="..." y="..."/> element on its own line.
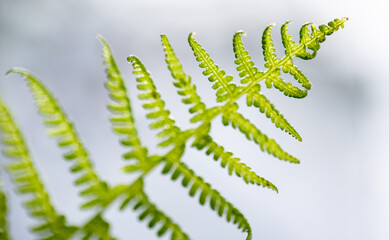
<point x="172" y="138"/>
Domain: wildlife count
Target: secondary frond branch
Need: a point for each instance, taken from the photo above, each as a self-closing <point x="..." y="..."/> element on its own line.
<point x="170" y="132"/>
<point x="122" y="119"/>
<point x="27" y="181"/>
<point x="62" y="129"/>
<point x="150" y="212"/>
<point x="226" y="89"/>
<point x="256" y="99"/>
<point x="245" y="126"/>
<point x="232" y="163"/>
<point x="247" y="71"/>
<point x="183" y="82"/>
<point x="207" y="194"/>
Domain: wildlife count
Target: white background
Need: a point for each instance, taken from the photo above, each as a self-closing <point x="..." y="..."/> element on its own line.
<point x="339" y="191"/>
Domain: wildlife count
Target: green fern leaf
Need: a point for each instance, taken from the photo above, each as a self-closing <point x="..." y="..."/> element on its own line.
<point x="101" y="195"/>
<point x="151" y="212"/>
<point x="25" y="177"/>
<point x="183" y="81"/>
<point x="122" y="119"/>
<point x="271" y="60"/>
<point x="3" y="214"/>
<point x="254" y="98"/>
<point x="247" y="71"/>
<point x="170" y="132"/>
<point x="226" y="89"/>
<point x="291" y="47"/>
<point x="196" y="184"/>
<point x="186" y="89"/>
<point x="272" y="63"/>
<point x="287" y="41"/>
<point x="61" y="128"/>
<point x="233" y="163"/>
<point x="237" y="120"/>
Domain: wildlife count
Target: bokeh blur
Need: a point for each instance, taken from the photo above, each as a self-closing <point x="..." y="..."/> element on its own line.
<point x="339" y="191"/>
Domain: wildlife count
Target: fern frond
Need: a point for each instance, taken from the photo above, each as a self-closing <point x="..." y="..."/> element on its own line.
<point x="233" y="163"/>
<point x="26" y="178"/>
<point x="256" y="99"/>
<point x="237" y="120"/>
<point x="62" y="129"/>
<point x="3" y="213"/>
<point x="122" y="119"/>
<point x="151" y="212"/>
<point x="196" y="184"/>
<point x="170" y="132"/>
<point x="183" y="82"/>
<point x="226" y="89"/>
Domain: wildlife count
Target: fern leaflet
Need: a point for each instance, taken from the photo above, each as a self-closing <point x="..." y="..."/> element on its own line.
<point x="61" y="128"/>
<point x="233" y="163"/>
<point x="24" y="175"/>
<point x="237" y="120"/>
<point x="226" y="89"/>
<point x="247" y="71"/>
<point x="97" y="191"/>
<point x="216" y="201"/>
<point x="150" y="211"/>
<point x="155" y="104"/>
<point x="183" y="82"/>
<point x="122" y="119"/>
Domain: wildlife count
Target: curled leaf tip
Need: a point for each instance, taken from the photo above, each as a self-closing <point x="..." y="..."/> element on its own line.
<point x="100" y="37"/>
<point x="241" y="32"/>
<point x="130" y="58"/>
<point x="17" y="70"/>
<point x="191" y="35"/>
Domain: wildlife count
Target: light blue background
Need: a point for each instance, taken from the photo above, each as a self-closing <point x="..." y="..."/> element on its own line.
<point x="340" y="189"/>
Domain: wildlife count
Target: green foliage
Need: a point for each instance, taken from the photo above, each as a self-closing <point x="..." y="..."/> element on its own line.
<point x="3" y="214"/>
<point x="97" y="192"/>
<point x="26" y="179"/>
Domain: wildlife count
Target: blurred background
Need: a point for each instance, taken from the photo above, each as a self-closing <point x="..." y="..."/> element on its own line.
<point x="339" y="191"/>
